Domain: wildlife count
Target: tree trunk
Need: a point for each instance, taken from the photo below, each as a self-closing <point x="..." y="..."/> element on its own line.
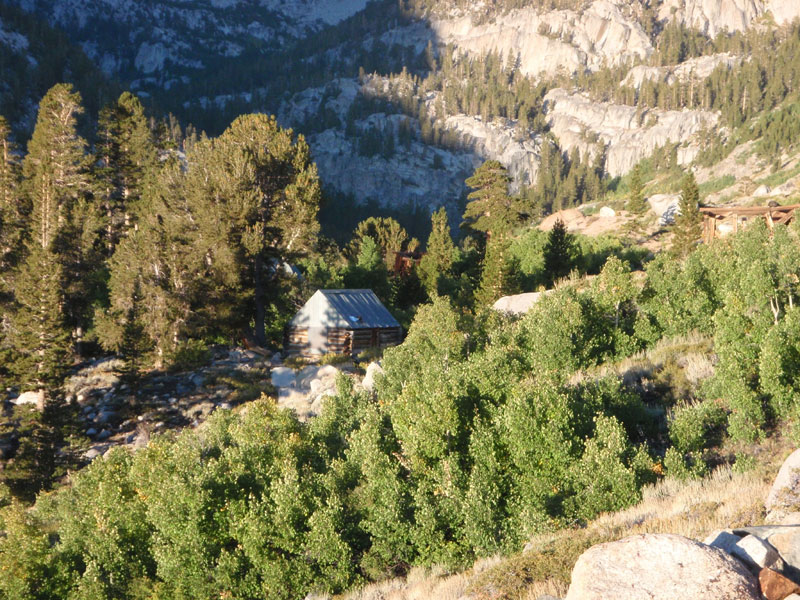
<point x="260" y="303"/>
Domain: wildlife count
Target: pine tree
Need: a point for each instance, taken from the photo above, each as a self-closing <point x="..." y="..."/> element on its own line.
<point x="369" y="271"/>
<point x="49" y="295"/>
<point x="128" y="160"/>
<point x="636" y="200"/>
<point x="436" y="265"/>
<point x="491" y="209"/>
<point x="38" y="330"/>
<point x="254" y="194"/>
<point x="135" y="342"/>
<point x="688" y="225"/>
<point x="386" y="232"/>
<point x="559" y="252"/>
<point x="12" y="210"/>
<point x="497" y="274"/>
<point x="156" y="276"/>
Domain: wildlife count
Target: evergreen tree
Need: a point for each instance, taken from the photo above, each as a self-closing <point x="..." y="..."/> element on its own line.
<point x="491" y="209"/>
<point x="38" y="330"/>
<point x="636" y="199"/>
<point x="155" y="277"/>
<point x="497" y="274"/>
<point x="134" y="343"/>
<point x="436" y="265"/>
<point x="254" y="194"/>
<point x="369" y="271"/>
<point x="688" y="225"/>
<point x="559" y="252"/>
<point x="12" y="211"/>
<point x="128" y="159"/>
<point x="386" y="232"/>
<point x="49" y="295"/>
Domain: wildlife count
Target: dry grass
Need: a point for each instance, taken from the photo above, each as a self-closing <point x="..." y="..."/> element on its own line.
<point x="695" y="508"/>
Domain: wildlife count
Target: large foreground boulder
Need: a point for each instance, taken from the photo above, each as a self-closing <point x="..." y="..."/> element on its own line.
<point x="660" y="567"/>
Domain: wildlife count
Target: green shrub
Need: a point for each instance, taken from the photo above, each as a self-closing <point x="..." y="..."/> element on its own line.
<point x="188" y="355"/>
<point x="684" y="466"/>
<point x="605" y="477"/>
<point x="694" y="427"/>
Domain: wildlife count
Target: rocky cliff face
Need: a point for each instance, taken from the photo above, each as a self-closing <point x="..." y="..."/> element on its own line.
<point x="628" y="133"/>
<point x="416" y="174"/>
<point x="549" y="42"/>
<point x="694" y="68"/>
<point x="714" y="16"/>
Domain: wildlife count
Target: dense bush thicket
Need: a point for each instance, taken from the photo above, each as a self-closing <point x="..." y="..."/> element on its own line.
<point x="478" y="435"/>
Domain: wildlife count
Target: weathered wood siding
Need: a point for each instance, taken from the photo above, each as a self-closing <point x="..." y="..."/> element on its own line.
<point x="340" y="341"/>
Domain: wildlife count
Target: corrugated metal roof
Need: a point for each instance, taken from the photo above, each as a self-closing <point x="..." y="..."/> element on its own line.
<point x="347" y="309"/>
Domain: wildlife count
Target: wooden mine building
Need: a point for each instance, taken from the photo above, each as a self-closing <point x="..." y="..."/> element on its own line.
<point x="721" y="221"/>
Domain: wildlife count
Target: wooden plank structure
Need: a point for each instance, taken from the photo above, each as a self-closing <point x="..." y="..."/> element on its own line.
<point x="719" y="221"/>
<point x="341" y="322"/>
<point x="404" y="262"/>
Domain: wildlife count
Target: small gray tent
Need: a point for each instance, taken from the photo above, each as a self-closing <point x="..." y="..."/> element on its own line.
<point x="341" y="322"/>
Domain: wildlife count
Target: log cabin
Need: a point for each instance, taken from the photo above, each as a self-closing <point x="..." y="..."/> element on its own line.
<point x="341" y="322"/>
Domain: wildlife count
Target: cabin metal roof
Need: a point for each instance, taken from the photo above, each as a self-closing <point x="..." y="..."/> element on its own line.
<point x="344" y="309"/>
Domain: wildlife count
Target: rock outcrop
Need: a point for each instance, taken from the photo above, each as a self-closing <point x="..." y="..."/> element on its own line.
<point x="554" y="41"/>
<point x="519" y="304"/>
<point x="695" y="68"/>
<point x="628" y="133"/>
<point x="660" y="567"/>
<point x="304" y="391"/>
<point x="415" y="175"/>
<point x="784" y="496"/>
<point x="715" y="16"/>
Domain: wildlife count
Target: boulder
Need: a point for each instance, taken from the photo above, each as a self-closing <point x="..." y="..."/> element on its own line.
<point x="660" y="567"/>
<point x="775" y="586"/>
<point x="35" y="398"/>
<point x="105" y="416"/>
<point x="784" y="496"/>
<point x="757" y="554"/>
<point x="606" y="212"/>
<point x="282" y="377"/>
<point x="373" y="369"/>
<point x="665" y="206"/>
<point x="723" y="539"/>
<point x="761" y="191"/>
<point x="91" y="453"/>
<point x="786" y="540"/>
<point x="519" y="304"/>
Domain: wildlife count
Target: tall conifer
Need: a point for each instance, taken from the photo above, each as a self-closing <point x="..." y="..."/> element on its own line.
<point x="688" y="225"/>
<point x="155" y="277"/>
<point x="491" y="209"/>
<point x="436" y="266"/>
<point x="12" y="209"/>
<point x="636" y="199"/>
<point x="127" y="163"/>
<point x="56" y="181"/>
<point x="559" y="252"/>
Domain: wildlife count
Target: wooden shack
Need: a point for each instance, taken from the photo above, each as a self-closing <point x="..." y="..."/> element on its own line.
<point x="341" y="322"/>
<point x="719" y="221"/>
